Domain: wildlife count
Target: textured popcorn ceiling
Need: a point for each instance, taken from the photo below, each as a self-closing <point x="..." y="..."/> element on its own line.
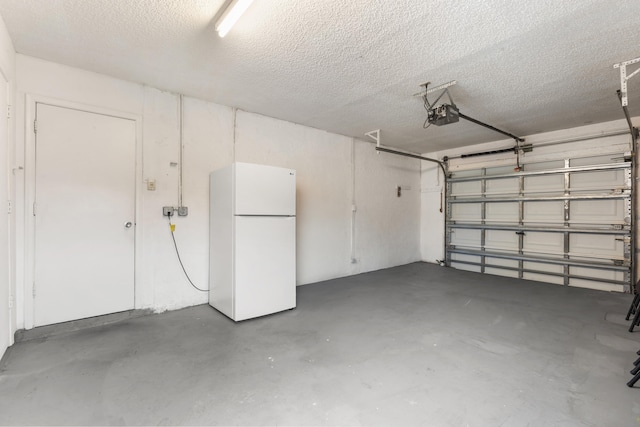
<point x="351" y="66"/>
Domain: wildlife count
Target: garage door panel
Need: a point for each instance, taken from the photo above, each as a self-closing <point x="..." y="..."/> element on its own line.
<point x="466" y="267"/>
<point x="502" y="170"/>
<point x="502" y="212"/>
<point x="605" y="180"/>
<point x="543" y="212"/>
<point x="502" y="186"/>
<point x="543" y="166"/>
<point x="595" y="160"/>
<point x="598" y="211"/>
<point x="554" y="280"/>
<point x="543" y="243"/>
<point x="503" y="262"/>
<point x="502" y="272"/>
<point x="595" y="273"/>
<point x="550" y="268"/>
<point x="598" y="286"/>
<point x="501" y="240"/>
<point x="471" y="188"/>
<point x="468" y="258"/>
<point x="466" y="237"/>
<point x="544" y="184"/>
<point x="466" y="212"/>
<point x="596" y="246"/>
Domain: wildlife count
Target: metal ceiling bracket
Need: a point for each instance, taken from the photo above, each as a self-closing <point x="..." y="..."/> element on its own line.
<point x="435" y="88"/>
<point x="375" y="135"/>
<point x="624" y="78"/>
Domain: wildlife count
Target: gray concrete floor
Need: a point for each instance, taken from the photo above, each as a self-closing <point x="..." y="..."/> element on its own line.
<point x="411" y="345"/>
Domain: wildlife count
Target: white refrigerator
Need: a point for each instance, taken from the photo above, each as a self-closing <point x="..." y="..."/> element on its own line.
<point x="252" y="240"/>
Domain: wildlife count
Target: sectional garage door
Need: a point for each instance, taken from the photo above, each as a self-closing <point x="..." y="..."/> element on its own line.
<point x="560" y="219"/>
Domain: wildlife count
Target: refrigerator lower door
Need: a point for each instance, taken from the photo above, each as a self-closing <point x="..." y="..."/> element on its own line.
<point x="265" y="265"/>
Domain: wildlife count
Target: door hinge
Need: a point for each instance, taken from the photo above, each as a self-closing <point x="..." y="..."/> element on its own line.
<point x="34" y="208"/>
<point x="35" y="126"/>
<point x="11" y="302"/>
<point x="33" y="292"/>
<point x="9" y="207"/>
<point x="8" y="111"/>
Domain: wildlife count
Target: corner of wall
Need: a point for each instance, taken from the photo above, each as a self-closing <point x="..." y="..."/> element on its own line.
<point x="8" y="319"/>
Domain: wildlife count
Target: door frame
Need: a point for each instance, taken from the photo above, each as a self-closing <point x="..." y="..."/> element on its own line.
<point x="31" y="102"/>
<point x="9" y="162"/>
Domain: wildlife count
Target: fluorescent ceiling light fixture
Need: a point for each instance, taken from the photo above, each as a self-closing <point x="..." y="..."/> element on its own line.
<point x="231" y="15"/>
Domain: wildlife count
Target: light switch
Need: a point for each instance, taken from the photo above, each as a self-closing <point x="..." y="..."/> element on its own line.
<point x="151" y="184"/>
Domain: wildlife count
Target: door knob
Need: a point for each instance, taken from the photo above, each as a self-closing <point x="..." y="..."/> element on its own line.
<point x="128" y="224"/>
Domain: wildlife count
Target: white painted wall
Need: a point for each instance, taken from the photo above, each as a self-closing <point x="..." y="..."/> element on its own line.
<point x="432" y="226"/>
<point x="7" y="316"/>
<point x="333" y="175"/>
<point x="386" y="225"/>
<point x="432" y="217"/>
<point x="207" y="135"/>
<point x="322" y="162"/>
<point x="333" y="171"/>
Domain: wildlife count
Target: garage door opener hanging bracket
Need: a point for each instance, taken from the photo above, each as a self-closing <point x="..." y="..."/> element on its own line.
<point x="624" y="78"/>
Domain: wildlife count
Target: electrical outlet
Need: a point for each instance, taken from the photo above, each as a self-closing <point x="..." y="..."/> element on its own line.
<point x="168" y="211"/>
<point x="183" y="211"/>
<point x="151" y="184"/>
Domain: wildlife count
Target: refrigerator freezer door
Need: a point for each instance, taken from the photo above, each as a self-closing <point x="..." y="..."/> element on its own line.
<point x="265" y="265"/>
<point x="264" y="190"/>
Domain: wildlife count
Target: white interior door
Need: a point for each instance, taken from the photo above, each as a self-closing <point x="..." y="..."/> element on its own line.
<point x="84" y="214"/>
